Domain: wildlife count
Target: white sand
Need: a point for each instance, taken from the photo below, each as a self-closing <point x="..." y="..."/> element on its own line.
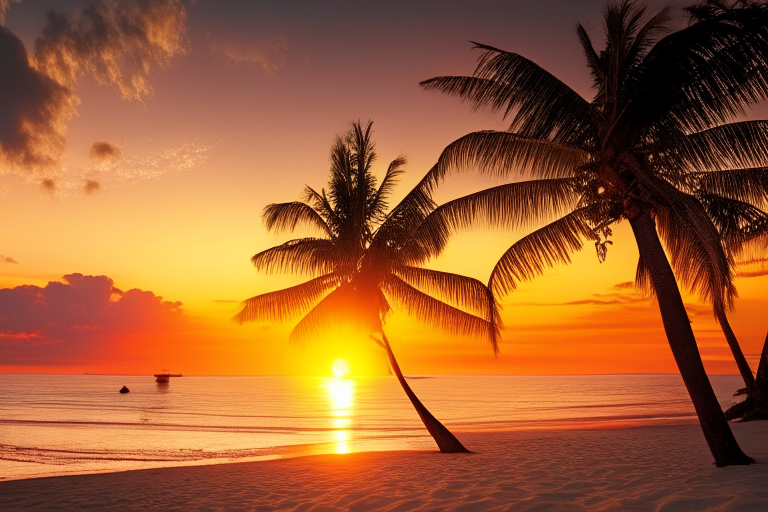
<point x="649" y="468"/>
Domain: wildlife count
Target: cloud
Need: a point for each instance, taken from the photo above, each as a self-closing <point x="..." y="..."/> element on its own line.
<point x="48" y="185"/>
<point x="35" y="110"/>
<point x="4" y="6"/>
<point x="104" y="152"/>
<point x="269" y="53"/>
<point x="7" y="259"/>
<point x="91" y="186"/>
<point x="598" y="299"/>
<point x="626" y="285"/>
<point x="70" y="322"/>
<point x="116" y="42"/>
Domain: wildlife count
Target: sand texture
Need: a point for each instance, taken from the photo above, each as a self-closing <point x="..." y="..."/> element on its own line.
<point x="648" y="468"/>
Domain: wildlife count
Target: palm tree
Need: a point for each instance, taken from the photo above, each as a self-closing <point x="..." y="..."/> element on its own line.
<point x="366" y="258"/>
<point x="657" y="146"/>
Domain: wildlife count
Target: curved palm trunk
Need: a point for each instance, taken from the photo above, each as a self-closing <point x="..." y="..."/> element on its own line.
<point x="761" y="381"/>
<point x="738" y="355"/>
<point x="446" y="441"/>
<point x="677" y="326"/>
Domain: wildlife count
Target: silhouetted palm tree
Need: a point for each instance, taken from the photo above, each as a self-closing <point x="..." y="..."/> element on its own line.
<point x="657" y="146"/>
<point x="366" y="257"/>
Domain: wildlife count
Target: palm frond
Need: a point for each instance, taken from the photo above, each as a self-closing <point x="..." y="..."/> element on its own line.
<point x="320" y="203"/>
<point x="379" y="204"/>
<point x="284" y="304"/>
<point x="502" y="154"/>
<point x="460" y="291"/>
<point x="545" y="247"/>
<point x="512" y="206"/>
<point x="692" y="241"/>
<point x="539" y="104"/>
<point x="738" y="222"/>
<point x="695" y="252"/>
<point x="311" y="256"/>
<point x="437" y="313"/>
<point x="733" y="145"/>
<point x="643" y="281"/>
<point x="287" y="216"/>
<point x="748" y="185"/>
<point x="703" y="75"/>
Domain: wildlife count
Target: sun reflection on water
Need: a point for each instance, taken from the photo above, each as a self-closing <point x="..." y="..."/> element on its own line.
<point x="341" y="401"/>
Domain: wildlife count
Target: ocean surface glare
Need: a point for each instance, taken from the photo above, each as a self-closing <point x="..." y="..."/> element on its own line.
<point x="74" y="424"/>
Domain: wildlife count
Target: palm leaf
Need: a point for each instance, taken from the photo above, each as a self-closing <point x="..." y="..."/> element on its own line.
<point x="502" y="153"/>
<point x="284" y="304"/>
<point x="437" y="313"/>
<point x="287" y="216"/>
<point x="734" y="145"/>
<point x="379" y="204"/>
<point x="748" y="185"/>
<point x="301" y="256"/>
<point x="540" y="105"/>
<point x="703" y="75"/>
<point x="460" y="291"/>
<point x="545" y="247"/>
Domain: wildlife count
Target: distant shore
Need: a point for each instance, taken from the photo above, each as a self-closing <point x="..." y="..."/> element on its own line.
<point x="644" y="468"/>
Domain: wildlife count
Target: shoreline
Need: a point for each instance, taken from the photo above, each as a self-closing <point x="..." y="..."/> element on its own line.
<point x="641" y="468"/>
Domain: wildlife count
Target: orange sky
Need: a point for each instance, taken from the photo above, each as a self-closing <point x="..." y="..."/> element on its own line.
<point x="242" y="112"/>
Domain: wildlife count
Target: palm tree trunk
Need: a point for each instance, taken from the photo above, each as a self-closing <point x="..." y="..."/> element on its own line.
<point x="761" y="381"/>
<point x="446" y="441"/>
<point x="738" y="355"/>
<point x="677" y="326"/>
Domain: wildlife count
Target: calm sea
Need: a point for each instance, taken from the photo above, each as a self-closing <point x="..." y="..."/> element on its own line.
<point x="70" y="424"/>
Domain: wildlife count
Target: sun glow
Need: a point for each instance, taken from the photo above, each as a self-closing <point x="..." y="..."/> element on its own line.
<point x="341" y="395"/>
<point x="340" y="368"/>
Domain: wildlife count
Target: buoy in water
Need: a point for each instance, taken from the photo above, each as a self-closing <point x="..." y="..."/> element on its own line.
<point x="124" y="390"/>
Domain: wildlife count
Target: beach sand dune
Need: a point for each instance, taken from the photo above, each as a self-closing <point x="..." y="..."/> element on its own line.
<point x="645" y="468"/>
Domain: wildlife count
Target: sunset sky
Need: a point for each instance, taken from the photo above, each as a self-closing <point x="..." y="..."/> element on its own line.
<point x="147" y="153"/>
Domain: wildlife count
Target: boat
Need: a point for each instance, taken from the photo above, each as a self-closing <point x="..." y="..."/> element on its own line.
<point x="164" y="378"/>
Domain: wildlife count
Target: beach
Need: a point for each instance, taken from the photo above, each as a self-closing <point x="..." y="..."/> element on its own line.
<point x="645" y="468"/>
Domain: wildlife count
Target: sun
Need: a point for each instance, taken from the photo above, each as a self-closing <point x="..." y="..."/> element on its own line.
<point x="340" y="368"/>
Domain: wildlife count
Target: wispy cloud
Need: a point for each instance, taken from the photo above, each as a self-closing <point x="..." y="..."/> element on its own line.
<point x="268" y="52"/>
<point x="117" y="43"/>
<point x="7" y="259"/>
<point x="4" y="6"/>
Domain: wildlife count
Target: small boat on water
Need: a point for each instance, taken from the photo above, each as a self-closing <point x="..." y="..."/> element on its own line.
<point x="165" y="377"/>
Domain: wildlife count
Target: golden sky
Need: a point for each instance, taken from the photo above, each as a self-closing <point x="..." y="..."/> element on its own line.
<point x="155" y="156"/>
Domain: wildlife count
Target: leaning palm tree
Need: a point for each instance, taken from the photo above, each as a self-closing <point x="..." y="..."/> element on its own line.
<point x="367" y="258"/>
<point x="657" y="146"/>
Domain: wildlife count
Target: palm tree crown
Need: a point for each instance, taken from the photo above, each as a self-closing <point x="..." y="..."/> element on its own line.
<point x="366" y="258"/>
<point x="658" y="145"/>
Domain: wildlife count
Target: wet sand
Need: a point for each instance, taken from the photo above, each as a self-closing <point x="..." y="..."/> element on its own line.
<point x="646" y="468"/>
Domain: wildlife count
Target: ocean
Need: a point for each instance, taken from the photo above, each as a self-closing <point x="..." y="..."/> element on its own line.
<point x="74" y="424"/>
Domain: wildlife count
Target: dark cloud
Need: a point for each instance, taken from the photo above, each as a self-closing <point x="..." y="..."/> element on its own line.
<point x="626" y="285"/>
<point x="755" y="273"/>
<point x="117" y="43"/>
<point x="68" y="322"/>
<point x="102" y="152"/>
<point x="598" y="299"/>
<point x="91" y="186"/>
<point x="48" y="185"/>
<point x="7" y="259"/>
<point x="34" y="110"/>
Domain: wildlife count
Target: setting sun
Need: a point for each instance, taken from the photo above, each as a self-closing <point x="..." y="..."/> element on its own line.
<point x="340" y="368"/>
